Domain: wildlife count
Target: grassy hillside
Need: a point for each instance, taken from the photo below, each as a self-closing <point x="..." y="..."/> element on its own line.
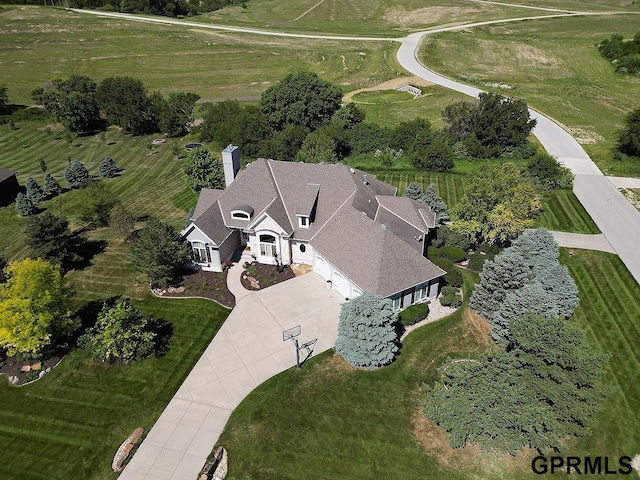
<point x="40" y="44"/>
<point x="556" y="67"/>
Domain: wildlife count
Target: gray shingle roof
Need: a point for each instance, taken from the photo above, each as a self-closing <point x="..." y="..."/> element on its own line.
<point x="371" y="255"/>
<point x="382" y="259"/>
<point x="6" y="173"/>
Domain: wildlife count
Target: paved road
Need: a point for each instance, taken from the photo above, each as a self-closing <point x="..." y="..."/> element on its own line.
<point x="616" y="218"/>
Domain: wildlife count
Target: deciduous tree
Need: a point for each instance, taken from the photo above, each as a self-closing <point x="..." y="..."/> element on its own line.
<point x="366" y="332"/>
<point x="301" y="99"/>
<point x="34" y="307"/>
<point x="97" y="202"/>
<point x="122" y="334"/>
<point x="124" y="102"/>
<point x="318" y="147"/>
<point x="629" y="139"/>
<point x="203" y="170"/>
<point x="122" y="221"/>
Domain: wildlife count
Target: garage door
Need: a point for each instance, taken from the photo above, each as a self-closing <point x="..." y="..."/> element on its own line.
<point x="340" y="284"/>
<point x="321" y="267"/>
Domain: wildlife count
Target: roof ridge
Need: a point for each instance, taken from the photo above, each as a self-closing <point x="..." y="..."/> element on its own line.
<point x="333" y="215"/>
<point x="394" y="213"/>
<point x="275" y="182"/>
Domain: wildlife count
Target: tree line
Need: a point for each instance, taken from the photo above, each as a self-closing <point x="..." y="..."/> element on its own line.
<point x="167" y="8"/>
<point x="82" y="105"/>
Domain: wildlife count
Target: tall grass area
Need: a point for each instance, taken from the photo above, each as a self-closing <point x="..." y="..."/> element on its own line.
<point x="341" y="423"/>
<point x="40" y="44"/>
<point x="69" y="424"/>
<point x="555" y="65"/>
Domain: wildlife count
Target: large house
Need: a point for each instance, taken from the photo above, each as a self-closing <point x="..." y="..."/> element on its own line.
<point x="348" y="225"/>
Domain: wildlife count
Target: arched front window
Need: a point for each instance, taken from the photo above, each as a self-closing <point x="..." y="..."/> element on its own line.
<point x="268" y="245"/>
<point x="199" y="252"/>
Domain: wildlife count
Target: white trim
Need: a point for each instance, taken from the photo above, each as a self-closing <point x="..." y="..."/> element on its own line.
<point x="262" y="215"/>
<point x="184" y="233"/>
<point x="275" y="182"/>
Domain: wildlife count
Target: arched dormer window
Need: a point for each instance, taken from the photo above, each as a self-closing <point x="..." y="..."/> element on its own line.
<point x="242" y="212"/>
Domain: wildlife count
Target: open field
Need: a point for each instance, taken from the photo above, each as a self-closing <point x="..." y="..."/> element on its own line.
<point x="555" y="66"/>
<point x="40" y="44"/>
<point x="356" y="424"/>
<point x="360" y="17"/>
<point x="69" y="424"/>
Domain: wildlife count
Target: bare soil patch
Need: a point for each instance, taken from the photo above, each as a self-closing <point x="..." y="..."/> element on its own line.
<point x="389" y="85"/>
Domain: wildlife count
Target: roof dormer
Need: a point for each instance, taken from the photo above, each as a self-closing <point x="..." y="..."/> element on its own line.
<point x="242" y="212"/>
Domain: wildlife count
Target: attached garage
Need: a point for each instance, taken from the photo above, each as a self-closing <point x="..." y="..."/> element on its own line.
<point x="321" y="267"/>
<point x="341" y="284"/>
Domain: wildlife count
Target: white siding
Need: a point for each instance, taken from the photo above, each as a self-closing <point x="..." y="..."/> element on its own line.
<point x="267" y="223"/>
<point x="299" y="257"/>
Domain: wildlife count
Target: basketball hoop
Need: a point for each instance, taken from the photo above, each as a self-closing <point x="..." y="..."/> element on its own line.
<point x="291" y="333"/>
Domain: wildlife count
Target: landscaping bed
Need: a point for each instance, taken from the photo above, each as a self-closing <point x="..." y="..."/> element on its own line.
<point x="22" y="371"/>
<point x="258" y="275"/>
<point x="201" y="284"/>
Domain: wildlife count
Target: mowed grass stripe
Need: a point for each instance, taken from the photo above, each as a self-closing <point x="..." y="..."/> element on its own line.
<point x="563" y="211"/>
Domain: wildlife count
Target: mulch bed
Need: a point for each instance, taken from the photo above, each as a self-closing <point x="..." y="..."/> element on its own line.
<point x="12" y="367"/>
<point x="201" y="284"/>
<point x="258" y="276"/>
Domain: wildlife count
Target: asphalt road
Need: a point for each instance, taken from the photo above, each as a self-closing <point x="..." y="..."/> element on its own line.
<point x="616" y="218"/>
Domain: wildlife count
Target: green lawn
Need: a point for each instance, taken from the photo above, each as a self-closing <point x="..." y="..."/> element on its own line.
<point x="394" y="18"/>
<point x="69" y="424"/>
<point x="556" y="67"/>
<point x="341" y="423"/>
<point x="40" y="44"/>
<point x="561" y="210"/>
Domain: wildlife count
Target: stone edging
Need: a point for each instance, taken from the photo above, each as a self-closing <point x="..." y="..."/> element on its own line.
<point x="179" y="298"/>
<point x="39" y="378"/>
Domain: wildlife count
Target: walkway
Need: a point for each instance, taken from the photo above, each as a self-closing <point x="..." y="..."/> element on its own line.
<point x="586" y="242"/>
<point x="247" y="350"/>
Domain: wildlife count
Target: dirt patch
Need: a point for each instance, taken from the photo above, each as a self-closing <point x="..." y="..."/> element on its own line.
<point x="479" y="327"/>
<point x="585" y="136"/>
<point x="425" y="15"/>
<point x="333" y="367"/>
<point x="530" y="55"/>
<point x="389" y="85"/>
<point x="470" y="459"/>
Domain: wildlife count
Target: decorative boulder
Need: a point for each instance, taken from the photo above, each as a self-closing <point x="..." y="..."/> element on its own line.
<point x="125" y="449"/>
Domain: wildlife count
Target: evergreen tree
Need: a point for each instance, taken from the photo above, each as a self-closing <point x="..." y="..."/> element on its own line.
<point x="51" y="185"/>
<point x="77" y="175"/>
<point x="49" y="237"/>
<point x="366" y="333"/>
<point x="34" y="192"/>
<point x="413" y="191"/>
<point x="122" y="221"/>
<point x="499" y="276"/>
<point x="538" y="249"/>
<point x="435" y="203"/>
<point x="108" y="168"/>
<point x="24" y="206"/>
<point x="532" y="298"/>
<point x="159" y="252"/>
<point x="4" y="263"/>
<point x="557" y="281"/>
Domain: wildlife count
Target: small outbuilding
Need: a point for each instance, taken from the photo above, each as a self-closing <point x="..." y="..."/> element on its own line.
<point x="9" y="186"/>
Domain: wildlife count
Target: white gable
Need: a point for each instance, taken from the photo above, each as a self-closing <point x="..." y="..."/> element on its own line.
<point x="265" y="222"/>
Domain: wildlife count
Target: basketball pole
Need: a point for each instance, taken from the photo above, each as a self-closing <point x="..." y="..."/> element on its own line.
<point x="295" y="342"/>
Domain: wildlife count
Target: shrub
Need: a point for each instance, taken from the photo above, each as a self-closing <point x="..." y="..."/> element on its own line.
<point x="414" y="314"/>
<point x="454" y="254"/>
<point x="453" y="276"/>
<point x="452" y="238"/>
<point x="476" y="261"/>
<point x="433" y="252"/>
<point x="450" y="297"/>
<point x="108" y="168"/>
<point x="491" y="249"/>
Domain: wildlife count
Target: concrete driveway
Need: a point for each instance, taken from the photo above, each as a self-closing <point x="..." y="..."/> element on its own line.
<point x="245" y="352"/>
